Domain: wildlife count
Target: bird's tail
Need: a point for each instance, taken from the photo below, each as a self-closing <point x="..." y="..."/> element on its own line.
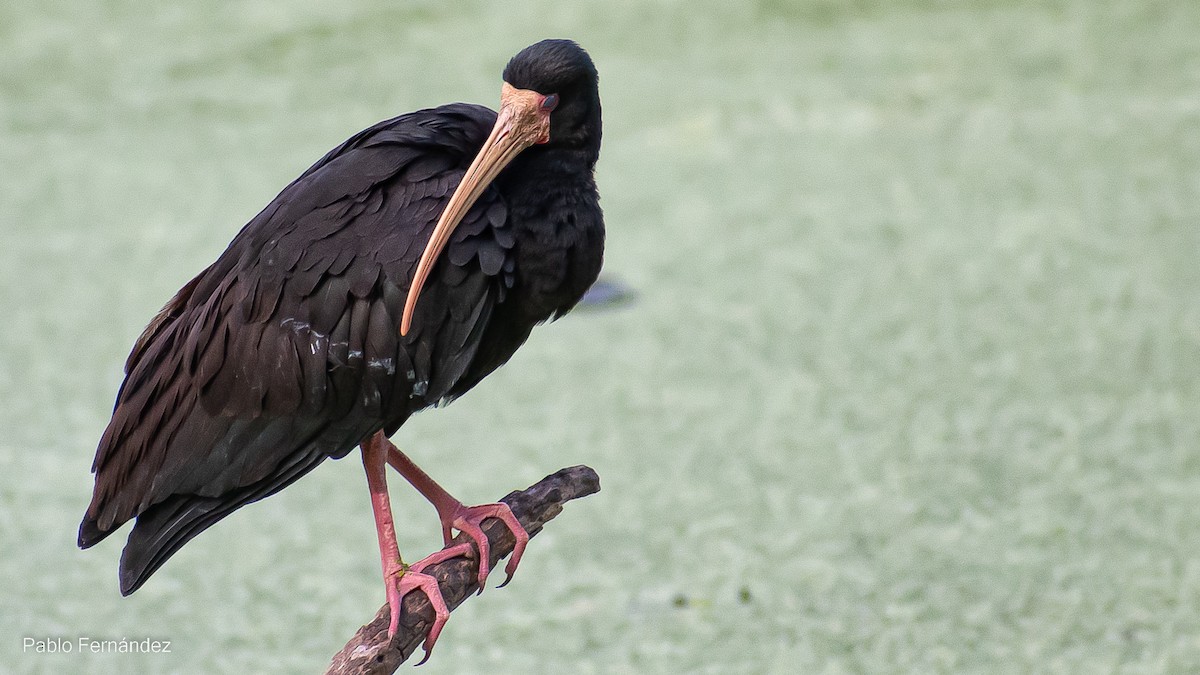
<point x="162" y="529"/>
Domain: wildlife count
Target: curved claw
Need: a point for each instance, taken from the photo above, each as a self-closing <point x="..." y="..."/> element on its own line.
<point x="455" y="516"/>
<point x="411" y="578"/>
<point x="472" y="529"/>
<point x="467" y="519"/>
<point x="522" y="540"/>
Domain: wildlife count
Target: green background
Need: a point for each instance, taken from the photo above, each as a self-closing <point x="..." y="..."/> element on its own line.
<point x="910" y="384"/>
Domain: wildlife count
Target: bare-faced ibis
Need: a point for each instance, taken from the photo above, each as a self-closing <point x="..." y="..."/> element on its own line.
<point x="396" y="273"/>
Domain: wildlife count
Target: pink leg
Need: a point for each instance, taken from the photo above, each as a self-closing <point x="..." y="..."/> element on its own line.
<point x="398" y="578"/>
<point x="466" y="519"/>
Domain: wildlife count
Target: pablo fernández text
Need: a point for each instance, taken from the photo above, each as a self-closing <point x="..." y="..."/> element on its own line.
<point x="90" y="645"/>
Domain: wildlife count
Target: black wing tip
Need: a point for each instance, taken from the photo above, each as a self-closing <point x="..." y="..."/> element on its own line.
<point x="132" y="578"/>
<point x="157" y="534"/>
<point x="90" y="533"/>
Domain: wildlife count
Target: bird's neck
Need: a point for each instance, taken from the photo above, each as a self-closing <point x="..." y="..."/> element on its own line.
<point x="541" y="166"/>
<point x="555" y="210"/>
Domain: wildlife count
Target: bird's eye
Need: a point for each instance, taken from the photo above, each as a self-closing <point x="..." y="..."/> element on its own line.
<point x="550" y="102"/>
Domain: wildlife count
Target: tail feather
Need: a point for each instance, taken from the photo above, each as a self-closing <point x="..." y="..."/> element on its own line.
<point x="164" y="528"/>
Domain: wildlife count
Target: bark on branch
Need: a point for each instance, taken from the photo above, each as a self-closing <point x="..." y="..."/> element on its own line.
<point x="370" y="652"/>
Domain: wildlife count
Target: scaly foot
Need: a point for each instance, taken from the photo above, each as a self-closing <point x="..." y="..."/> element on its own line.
<point x="401" y="579"/>
<point x="468" y="519"/>
<point x="455" y="516"/>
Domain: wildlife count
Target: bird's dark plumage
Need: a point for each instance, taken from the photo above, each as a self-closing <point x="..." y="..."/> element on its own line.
<point x="286" y="350"/>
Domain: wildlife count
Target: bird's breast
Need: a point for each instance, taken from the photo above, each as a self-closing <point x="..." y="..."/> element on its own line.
<point x="559" y="252"/>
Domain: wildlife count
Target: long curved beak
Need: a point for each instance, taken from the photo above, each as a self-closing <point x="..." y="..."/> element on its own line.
<point x="522" y="122"/>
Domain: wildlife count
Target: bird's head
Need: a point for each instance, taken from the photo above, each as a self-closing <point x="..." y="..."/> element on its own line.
<point x="562" y="74"/>
<point x="549" y="98"/>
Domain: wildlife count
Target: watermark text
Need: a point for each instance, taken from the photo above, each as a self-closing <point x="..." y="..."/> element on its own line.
<point x="93" y="645"/>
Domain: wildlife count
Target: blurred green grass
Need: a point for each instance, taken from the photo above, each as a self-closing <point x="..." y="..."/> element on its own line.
<point x="910" y="384"/>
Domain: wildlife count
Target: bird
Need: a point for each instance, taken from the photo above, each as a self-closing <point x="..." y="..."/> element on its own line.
<point x="392" y="276"/>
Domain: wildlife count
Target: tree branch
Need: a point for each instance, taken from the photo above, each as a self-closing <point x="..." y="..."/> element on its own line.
<point x="370" y="653"/>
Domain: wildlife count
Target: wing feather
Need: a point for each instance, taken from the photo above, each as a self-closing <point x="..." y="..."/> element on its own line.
<point x="286" y="350"/>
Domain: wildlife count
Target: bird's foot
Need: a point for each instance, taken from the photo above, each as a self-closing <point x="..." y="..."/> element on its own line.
<point x="455" y="516"/>
<point x="402" y="579"/>
<point x="467" y="519"/>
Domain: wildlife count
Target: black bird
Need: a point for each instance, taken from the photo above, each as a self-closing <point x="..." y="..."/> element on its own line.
<point x="396" y="273"/>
